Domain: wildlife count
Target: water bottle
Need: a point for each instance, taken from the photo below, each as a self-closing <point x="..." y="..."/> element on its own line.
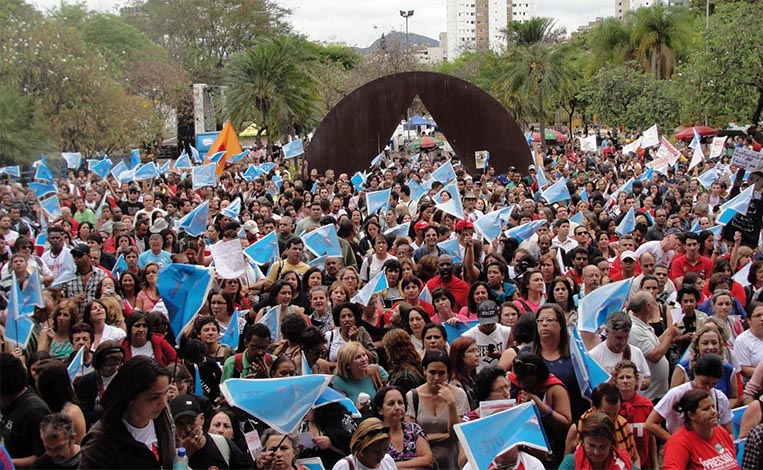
<point x="181" y="460"/>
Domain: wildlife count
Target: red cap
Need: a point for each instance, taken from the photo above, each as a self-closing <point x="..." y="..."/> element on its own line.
<point x="420" y="225"/>
<point x="462" y="224"/>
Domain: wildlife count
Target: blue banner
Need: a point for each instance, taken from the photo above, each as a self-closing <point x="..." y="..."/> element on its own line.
<point x="596" y="306"/>
<point x="454" y="330"/>
<point x="374" y="285"/>
<point x="588" y="372"/>
<point x="184" y="289"/>
<point x="293" y="149"/>
<point x="195" y="222"/>
<point x="264" y="250"/>
<point x="378" y="200"/>
<point x="205" y="175"/>
<point x="323" y="241"/>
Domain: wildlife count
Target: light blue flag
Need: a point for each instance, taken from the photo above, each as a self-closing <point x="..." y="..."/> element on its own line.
<point x="540" y="177"/>
<point x="317" y="262"/>
<point x="252" y="172"/>
<point x="695" y="225"/>
<point x="523" y="232"/>
<point x="233" y="209"/>
<point x="77" y="364"/>
<point x="444" y="173"/>
<point x="454" y="330"/>
<point x="322" y="241"/>
<point x="267" y="166"/>
<point x="146" y="172"/>
<point x="272" y="319"/>
<point x="184" y="289"/>
<point x="453" y="207"/>
<point x="134" y="159"/>
<point x="378" y="200"/>
<point x="204" y="175"/>
<point x="18" y="327"/>
<point x="42" y="238"/>
<point x="736" y="205"/>
<point x="117" y="171"/>
<point x="626" y="188"/>
<point x="417" y="190"/>
<point x="41" y="189"/>
<point x="310" y="463"/>
<point x="736" y="419"/>
<point x="257" y="397"/>
<point x="742" y="275"/>
<point x="14" y="171"/>
<point x="378" y="160"/>
<point x="316" y="184"/>
<point x="73" y="159"/>
<point x="399" y="231"/>
<point x="696" y="141"/>
<point x="707" y="178"/>
<point x="578" y="218"/>
<point x="451" y="188"/>
<point x="556" y="192"/>
<point x="357" y="181"/>
<point x="215" y="158"/>
<point x="119" y="267"/>
<point x="31" y="294"/>
<point x="238" y="157"/>
<point x="91" y="163"/>
<point x="485" y="439"/>
<point x="426" y="295"/>
<point x="264" y="250"/>
<point x="102" y="168"/>
<point x="452" y="247"/>
<point x="293" y="149"/>
<point x="376" y="284"/>
<point x="491" y="224"/>
<point x="232" y="333"/>
<point x="628" y="224"/>
<point x="306" y="369"/>
<point x="332" y="396"/>
<point x="195" y="154"/>
<point x="584" y="195"/>
<point x="165" y="168"/>
<point x="43" y="173"/>
<point x="195" y="222"/>
<point x="51" y="206"/>
<point x="278" y="181"/>
<point x="588" y="372"/>
<point x="647" y="175"/>
<point x="596" y="306"/>
<point x="183" y="162"/>
<point x="68" y="273"/>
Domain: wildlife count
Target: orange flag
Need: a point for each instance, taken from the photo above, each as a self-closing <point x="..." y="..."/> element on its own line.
<point x="227" y="140"/>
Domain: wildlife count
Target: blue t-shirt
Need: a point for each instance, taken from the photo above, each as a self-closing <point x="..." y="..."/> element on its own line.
<point x="162" y="259"/>
<point x="352" y="388"/>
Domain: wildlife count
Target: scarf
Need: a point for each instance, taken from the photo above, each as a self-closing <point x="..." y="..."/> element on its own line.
<point x="619" y="460"/>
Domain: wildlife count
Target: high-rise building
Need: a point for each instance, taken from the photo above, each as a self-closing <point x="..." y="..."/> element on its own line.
<point x="624" y="6"/>
<point x="478" y="24"/>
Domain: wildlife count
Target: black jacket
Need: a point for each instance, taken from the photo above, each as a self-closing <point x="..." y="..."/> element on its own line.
<point x="116" y="447"/>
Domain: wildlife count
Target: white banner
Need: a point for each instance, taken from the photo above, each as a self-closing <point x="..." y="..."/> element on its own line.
<point x="748" y="160"/>
<point x="651" y="137"/>
<point x="718" y="147"/>
<point x="229" y="259"/>
<point x="667" y="150"/>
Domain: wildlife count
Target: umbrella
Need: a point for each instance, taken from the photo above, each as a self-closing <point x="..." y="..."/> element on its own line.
<point x="425" y="142"/>
<point x="551" y="134"/>
<point x="688" y="133"/>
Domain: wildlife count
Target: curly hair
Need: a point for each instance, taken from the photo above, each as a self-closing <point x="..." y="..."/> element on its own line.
<point x="401" y="354"/>
<point x="694" y="346"/>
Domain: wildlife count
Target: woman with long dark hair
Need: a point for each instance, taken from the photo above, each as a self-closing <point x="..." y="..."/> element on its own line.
<point x="403" y="361"/>
<point x="55" y="388"/>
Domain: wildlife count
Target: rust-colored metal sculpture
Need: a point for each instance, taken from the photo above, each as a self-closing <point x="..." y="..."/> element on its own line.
<point x="359" y="127"/>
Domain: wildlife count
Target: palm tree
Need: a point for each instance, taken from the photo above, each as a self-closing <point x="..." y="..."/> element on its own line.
<point x="540" y="71"/>
<point x="536" y="29"/>
<point x="659" y="33"/>
<point x="610" y="42"/>
<point x="274" y="85"/>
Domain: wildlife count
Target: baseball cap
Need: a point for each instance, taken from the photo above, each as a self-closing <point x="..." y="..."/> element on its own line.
<point x="487" y="312"/>
<point x="251" y="227"/>
<point x="462" y="224"/>
<point x="184" y="405"/>
<point x="133" y="189"/>
<point x="628" y="254"/>
<point x="470" y="195"/>
<point x="674" y="231"/>
<point x="531" y="167"/>
<point x="80" y="249"/>
<point x="420" y="225"/>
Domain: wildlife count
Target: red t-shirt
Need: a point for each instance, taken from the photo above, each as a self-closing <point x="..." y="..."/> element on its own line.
<point x="456" y="286"/>
<point x="680" y="266"/>
<point x="636" y="412"/>
<point x="686" y="450"/>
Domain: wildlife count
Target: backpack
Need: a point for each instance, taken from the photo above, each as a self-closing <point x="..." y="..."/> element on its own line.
<point x="238" y="363"/>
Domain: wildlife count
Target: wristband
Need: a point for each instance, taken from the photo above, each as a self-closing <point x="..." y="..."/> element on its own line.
<point x="549" y="412"/>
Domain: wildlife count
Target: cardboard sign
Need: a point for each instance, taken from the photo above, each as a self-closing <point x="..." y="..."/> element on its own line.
<point x="480" y="157"/>
<point x="749" y="225"/>
<point x="749" y="160"/>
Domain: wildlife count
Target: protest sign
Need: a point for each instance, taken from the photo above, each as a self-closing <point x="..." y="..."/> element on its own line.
<point x="748" y="160"/>
<point x="229" y="259"/>
<point x="480" y="159"/>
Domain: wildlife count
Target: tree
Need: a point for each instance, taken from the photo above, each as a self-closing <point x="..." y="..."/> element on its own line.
<point x="204" y="34"/>
<point x="610" y="42"/>
<point x="659" y="34"/>
<point x="534" y="30"/>
<point x="22" y="139"/>
<point x="274" y="86"/>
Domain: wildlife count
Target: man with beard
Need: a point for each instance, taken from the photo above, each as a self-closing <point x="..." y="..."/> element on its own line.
<point x="445" y="278"/>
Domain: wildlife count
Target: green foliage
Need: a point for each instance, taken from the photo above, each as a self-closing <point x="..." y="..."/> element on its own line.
<point x="274" y="85"/>
<point x="22" y="139"/>
<point x="659" y="34"/>
<point x="534" y="30"/>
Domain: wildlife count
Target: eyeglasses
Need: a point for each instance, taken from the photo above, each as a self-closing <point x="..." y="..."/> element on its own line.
<point x="544" y="321"/>
<point x="581" y="233"/>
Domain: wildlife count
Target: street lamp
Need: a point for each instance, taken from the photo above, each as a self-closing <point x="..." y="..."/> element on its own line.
<point x="406" y="15"/>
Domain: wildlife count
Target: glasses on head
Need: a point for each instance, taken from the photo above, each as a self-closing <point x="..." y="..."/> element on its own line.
<point x="378" y="431"/>
<point x="526" y="367"/>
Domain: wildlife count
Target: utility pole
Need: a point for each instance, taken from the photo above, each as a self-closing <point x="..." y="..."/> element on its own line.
<point x="406" y="15"/>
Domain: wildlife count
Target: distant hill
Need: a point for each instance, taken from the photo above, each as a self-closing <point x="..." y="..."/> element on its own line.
<point x="396" y="36"/>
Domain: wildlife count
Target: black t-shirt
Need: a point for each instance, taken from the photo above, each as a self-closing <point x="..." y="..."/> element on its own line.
<point x="45" y="463"/>
<point x="209" y="456"/>
<point x="20" y="425"/>
<point x="130" y="208"/>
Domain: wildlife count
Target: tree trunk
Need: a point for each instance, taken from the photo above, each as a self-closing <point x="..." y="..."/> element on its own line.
<point x="541" y="123"/>
<point x="758" y="109"/>
<point x="658" y="52"/>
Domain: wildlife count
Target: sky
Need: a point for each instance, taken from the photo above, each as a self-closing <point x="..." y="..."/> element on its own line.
<point x="360" y="22"/>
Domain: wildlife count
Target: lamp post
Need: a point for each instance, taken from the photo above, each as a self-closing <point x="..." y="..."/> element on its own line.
<point x="406" y="15"/>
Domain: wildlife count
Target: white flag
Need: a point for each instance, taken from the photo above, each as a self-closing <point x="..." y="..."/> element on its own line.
<point x="651" y="137"/>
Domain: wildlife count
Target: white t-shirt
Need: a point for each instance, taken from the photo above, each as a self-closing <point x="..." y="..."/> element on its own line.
<point x="387" y="463"/>
<point x="146" y="436"/>
<point x="494" y="343"/>
<point x="334" y="342"/>
<point x="111" y="333"/>
<point x="642" y="336"/>
<point x="653" y="247"/>
<point x="145" y="350"/>
<point x="748" y="349"/>
<point x="528" y="461"/>
<point x="608" y="360"/>
<point x="369" y="271"/>
<point x="674" y="419"/>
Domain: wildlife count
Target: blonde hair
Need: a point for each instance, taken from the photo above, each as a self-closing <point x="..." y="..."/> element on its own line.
<point x="695" y="355"/>
<point x="345" y="356"/>
<point x="114" y="315"/>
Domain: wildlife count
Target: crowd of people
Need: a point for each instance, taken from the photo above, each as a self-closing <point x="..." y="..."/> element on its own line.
<point x="683" y="352"/>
